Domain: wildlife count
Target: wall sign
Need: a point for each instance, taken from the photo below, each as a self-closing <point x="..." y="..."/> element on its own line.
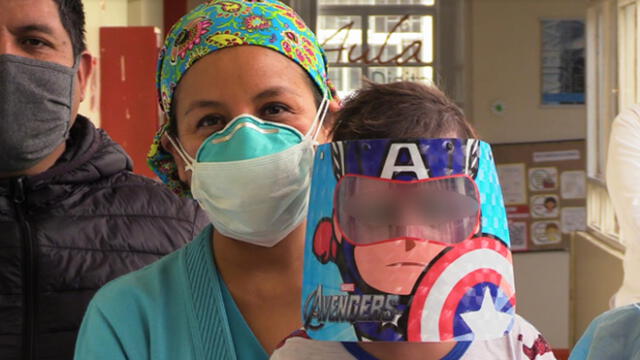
<point x="563" y="62"/>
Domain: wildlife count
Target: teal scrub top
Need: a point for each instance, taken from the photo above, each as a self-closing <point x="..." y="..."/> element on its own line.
<point x="245" y="342"/>
<point x="612" y="335"/>
<point x="175" y="308"/>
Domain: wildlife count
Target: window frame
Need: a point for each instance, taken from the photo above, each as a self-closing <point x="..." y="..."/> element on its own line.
<point x="605" y="24"/>
<point x="365" y="11"/>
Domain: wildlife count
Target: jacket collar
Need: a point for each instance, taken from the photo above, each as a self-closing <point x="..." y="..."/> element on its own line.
<point x="90" y="156"/>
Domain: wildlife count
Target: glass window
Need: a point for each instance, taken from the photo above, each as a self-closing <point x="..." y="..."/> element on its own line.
<point x="409" y="38"/>
<point x="377" y="2"/>
<point x="341" y="37"/>
<point x="609" y="25"/>
<point x="336" y="22"/>
<point x="628" y="52"/>
<point x="345" y="79"/>
<point x="391" y="45"/>
<point x="386" y="24"/>
<point x="387" y="74"/>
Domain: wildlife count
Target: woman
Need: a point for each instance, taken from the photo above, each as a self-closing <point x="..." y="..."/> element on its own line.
<point x="244" y="84"/>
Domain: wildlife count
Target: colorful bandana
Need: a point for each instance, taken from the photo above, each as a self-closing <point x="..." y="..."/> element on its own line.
<point x="218" y="24"/>
<point x="407" y="240"/>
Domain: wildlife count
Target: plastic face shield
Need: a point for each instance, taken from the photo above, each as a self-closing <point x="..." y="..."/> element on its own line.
<point x="373" y="210"/>
<point x="407" y="240"/>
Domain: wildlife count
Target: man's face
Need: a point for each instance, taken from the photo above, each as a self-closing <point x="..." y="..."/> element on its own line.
<point x="33" y="29"/>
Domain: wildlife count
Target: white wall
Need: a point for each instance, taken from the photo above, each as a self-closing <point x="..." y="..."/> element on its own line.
<point x="504" y="64"/>
<point x="505" y="60"/>
<point x="100" y="13"/>
<point x="596" y="275"/>
<point x="146" y="13"/>
<point x="542" y="292"/>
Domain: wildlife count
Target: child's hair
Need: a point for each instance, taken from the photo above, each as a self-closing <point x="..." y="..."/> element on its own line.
<point x="400" y="110"/>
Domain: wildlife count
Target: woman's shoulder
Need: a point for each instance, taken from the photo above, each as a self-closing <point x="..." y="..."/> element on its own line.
<point x="156" y="282"/>
<point x="612" y="335"/>
<point x="621" y="323"/>
<point x="134" y="311"/>
<point x="628" y="313"/>
<point x="143" y="285"/>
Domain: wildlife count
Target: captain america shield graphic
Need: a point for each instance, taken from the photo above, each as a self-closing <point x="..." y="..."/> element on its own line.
<point x="467" y="294"/>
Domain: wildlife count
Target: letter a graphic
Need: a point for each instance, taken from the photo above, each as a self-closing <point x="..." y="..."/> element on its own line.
<point x="391" y="166"/>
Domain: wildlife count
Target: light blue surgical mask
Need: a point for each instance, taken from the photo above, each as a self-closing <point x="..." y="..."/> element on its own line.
<point x="252" y="177"/>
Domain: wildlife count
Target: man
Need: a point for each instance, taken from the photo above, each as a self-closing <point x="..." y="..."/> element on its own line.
<point x="72" y="215"/>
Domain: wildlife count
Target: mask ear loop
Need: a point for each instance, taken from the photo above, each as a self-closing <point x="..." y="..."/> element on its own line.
<point x="74" y="68"/>
<point x="189" y="161"/>
<point x="319" y="119"/>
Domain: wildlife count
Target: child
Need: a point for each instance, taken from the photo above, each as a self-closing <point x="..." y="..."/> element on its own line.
<point x="416" y="210"/>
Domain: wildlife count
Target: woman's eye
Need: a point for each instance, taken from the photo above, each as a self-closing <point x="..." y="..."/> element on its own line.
<point x="211" y="121"/>
<point x="274" y="109"/>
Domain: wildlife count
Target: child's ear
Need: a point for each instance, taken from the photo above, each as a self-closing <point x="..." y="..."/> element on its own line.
<point x="335" y="105"/>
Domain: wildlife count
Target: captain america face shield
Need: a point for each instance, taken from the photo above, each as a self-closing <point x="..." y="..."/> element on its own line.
<point x="407" y="240"/>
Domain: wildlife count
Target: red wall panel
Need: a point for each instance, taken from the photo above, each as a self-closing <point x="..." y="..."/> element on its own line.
<point x="128" y="101"/>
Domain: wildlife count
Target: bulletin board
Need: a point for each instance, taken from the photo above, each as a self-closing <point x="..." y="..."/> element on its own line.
<point x="544" y="187"/>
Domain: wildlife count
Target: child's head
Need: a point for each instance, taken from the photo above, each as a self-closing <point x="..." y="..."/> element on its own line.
<point x="406" y="216"/>
<point x="400" y="110"/>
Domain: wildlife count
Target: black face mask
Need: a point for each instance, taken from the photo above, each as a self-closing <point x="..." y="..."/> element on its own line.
<point x="35" y="110"/>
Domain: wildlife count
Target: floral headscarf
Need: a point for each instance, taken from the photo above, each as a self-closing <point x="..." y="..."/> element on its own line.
<point x="220" y="24"/>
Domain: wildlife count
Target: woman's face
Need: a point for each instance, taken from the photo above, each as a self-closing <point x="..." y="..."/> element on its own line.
<point x="240" y="80"/>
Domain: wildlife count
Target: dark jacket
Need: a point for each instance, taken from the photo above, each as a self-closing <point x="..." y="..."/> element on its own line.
<point x="68" y="231"/>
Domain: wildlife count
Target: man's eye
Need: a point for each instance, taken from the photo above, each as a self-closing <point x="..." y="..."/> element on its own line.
<point x="34" y="42"/>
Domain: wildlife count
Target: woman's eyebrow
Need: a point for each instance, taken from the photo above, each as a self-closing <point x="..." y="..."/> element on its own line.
<point x="198" y="104"/>
<point x="274" y="92"/>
